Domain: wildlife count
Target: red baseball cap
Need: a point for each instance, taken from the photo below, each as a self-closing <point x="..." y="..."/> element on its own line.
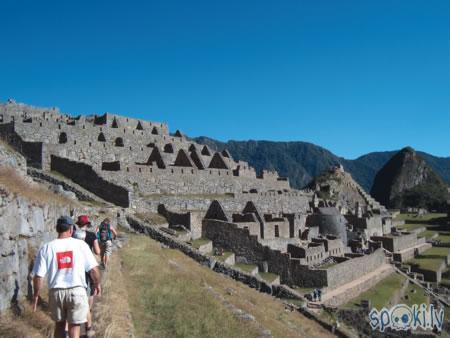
<point x="83" y="220"/>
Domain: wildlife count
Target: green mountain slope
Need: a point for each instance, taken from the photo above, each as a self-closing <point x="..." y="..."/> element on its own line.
<point x="406" y="180"/>
<point x="301" y="161"/>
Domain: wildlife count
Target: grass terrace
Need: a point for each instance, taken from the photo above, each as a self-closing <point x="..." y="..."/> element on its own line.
<point x="436" y="228"/>
<point x="224" y="257"/>
<point x="415" y="295"/>
<point x="246" y="267"/>
<point x="197" y="243"/>
<point x="268" y="276"/>
<point x="381" y="294"/>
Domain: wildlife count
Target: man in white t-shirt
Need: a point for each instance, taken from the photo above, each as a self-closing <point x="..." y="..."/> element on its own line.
<point x="65" y="261"/>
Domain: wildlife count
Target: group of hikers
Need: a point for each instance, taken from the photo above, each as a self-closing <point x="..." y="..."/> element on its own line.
<point x="73" y="273"/>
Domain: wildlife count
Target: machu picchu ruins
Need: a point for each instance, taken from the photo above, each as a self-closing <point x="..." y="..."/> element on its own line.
<point x="309" y="238"/>
<point x="330" y="236"/>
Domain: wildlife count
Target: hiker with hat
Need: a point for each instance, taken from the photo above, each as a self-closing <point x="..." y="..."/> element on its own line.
<point x="65" y="262"/>
<point x="105" y="234"/>
<point x="91" y="240"/>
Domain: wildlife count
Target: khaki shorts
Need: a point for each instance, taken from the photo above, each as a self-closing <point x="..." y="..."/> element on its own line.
<point x="106" y="248"/>
<point x="69" y="305"/>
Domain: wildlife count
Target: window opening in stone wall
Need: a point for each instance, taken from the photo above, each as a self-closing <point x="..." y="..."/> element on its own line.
<point x="114" y="124"/>
<point x="277" y="231"/>
<point x="119" y="142"/>
<point x="62" y="138"/>
<point x="101" y="137"/>
<point x="139" y="126"/>
<point x="168" y="148"/>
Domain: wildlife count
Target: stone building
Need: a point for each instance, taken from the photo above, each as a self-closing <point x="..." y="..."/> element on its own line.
<point x="140" y="157"/>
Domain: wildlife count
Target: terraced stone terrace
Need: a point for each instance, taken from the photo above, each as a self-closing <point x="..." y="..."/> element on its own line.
<point x="438" y="231"/>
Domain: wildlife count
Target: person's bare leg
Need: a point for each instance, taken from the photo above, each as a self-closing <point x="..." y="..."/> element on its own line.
<point x="74" y="330"/>
<point x="89" y="315"/>
<point x="106" y="260"/>
<point x="60" y="329"/>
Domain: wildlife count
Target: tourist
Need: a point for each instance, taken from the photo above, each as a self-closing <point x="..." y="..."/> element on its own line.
<point x="105" y="234"/>
<point x="66" y="260"/>
<point x="91" y="240"/>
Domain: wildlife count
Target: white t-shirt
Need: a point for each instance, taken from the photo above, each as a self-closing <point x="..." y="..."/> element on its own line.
<point x="65" y="261"/>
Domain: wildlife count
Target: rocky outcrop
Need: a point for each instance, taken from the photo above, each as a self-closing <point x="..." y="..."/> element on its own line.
<point x="337" y="186"/>
<point x="407" y="181"/>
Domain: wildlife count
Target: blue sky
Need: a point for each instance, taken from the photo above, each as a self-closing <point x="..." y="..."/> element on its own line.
<point x="351" y="76"/>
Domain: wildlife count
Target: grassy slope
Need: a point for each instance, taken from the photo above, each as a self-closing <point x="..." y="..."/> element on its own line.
<point x="168" y="296"/>
<point x="381" y="294"/>
<point x="435" y="225"/>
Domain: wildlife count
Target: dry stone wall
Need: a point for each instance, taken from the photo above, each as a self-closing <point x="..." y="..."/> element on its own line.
<point x="23" y="228"/>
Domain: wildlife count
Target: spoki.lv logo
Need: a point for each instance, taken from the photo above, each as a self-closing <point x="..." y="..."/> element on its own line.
<point x="403" y="318"/>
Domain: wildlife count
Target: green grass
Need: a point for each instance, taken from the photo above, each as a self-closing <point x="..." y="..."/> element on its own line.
<point x="418" y="297"/>
<point x="169" y="295"/>
<point x="437" y="251"/>
<point x="170" y="304"/>
<point x="268" y="277"/>
<point x="381" y="293"/>
<point x="414" y="217"/>
<point x="246" y="267"/>
<point x="432" y="264"/>
<point x="225" y="255"/>
<point x="444" y="238"/>
<point x="412" y="226"/>
<point x="196" y="243"/>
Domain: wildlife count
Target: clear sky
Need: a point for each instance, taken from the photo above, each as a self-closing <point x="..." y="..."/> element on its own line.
<point x="351" y="76"/>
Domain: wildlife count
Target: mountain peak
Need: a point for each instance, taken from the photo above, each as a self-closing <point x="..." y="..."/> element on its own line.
<point x="407" y="180"/>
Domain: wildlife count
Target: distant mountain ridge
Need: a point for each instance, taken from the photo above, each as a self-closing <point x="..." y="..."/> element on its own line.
<point x="407" y="180"/>
<point x="302" y="161"/>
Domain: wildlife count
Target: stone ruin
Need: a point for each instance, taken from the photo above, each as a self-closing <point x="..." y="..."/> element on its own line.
<point x="307" y="240"/>
<point x="139" y="156"/>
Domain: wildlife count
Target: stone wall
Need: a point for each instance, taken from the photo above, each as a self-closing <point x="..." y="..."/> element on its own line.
<point x="395" y="243"/>
<point x="31" y="150"/>
<point x="248" y="249"/>
<point x="24" y="226"/>
<point x="354" y="268"/>
<point x="430" y="275"/>
<point x="83" y="175"/>
<point x="290" y="202"/>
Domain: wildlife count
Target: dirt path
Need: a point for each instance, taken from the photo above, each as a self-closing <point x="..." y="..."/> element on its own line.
<point x="112" y="315"/>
